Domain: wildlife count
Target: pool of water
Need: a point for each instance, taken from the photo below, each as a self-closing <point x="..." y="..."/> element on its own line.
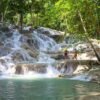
<point x="48" y="89"/>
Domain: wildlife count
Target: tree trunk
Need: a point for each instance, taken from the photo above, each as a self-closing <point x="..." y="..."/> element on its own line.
<point x="2" y="17"/>
<point x="21" y="21"/>
<point x="38" y="22"/>
<point x="85" y="30"/>
<point x="18" y="19"/>
<point x="5" y="10"/>
<point x="31" y="13"/>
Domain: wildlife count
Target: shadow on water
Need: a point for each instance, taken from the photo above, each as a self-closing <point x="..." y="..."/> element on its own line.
<point x="48" y="89"/>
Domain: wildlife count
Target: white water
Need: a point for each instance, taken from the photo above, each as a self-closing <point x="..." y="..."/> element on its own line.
<point x="18" y="54"/>
<point x="44" y="42"/>
<point x="45" y="58"/>
<point x="82" y="77"/>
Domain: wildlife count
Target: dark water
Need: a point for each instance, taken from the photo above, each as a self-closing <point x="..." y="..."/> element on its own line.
<point x="48" y="89"/>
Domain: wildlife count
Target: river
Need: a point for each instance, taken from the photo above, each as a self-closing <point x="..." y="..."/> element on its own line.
<point x="48" y="89"/>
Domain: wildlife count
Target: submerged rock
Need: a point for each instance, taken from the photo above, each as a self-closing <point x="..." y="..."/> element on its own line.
<point x="95" y="76"/>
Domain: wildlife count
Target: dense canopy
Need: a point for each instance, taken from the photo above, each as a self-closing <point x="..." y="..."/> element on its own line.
<point x="57" y="14"/>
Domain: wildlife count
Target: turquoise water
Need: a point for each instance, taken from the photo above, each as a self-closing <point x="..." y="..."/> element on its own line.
<point x="48" y="89"/>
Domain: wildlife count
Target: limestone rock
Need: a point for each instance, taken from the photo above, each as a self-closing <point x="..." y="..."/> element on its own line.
<point x="5" y="51"/>
<point x="24" y="68"/>
<point x="49" y="32"/>
<point x="32" y="51"/>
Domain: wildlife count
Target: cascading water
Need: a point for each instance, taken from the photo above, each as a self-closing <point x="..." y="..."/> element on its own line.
<point x="24" y="55"/>
<point x="20" y="48"/>
<point x="44" y="43"/>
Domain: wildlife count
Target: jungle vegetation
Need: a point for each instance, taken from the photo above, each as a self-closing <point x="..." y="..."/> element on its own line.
<point x="65" y="15"/>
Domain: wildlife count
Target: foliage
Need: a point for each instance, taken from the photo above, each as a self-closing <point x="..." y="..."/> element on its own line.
<point x="56" y="14"/>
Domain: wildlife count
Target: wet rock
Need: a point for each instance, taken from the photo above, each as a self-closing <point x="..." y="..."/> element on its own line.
<point x="40" y="68"/>
<point x="2" y="61"/>
<point x="1" y="44"/>
<point x="31" y="50"/>
<point x="95" y="78"/>
<point x="49" y="32"/>
<point x="17" y="57"/>
<point x="33" y="43"/>
<point x="57" y="35"/>
<point x="67" y="68"/>
<point x="25" y="32"/>
<point x="57" y="57"/>
<point x="90" y="96"/>
<point x="4" y="29"/>
<point x="30" y="42"/>
<point x="25" y="68"/>
<point x="95" y="74"/>
<point x="33" y="54"/>
<point x="5" y="51"/>
<point x="9" y="34"/>
<point x="15" y="27"/>
<point x="19" y="70"/>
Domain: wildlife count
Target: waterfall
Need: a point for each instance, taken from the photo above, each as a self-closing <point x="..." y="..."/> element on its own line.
<point x="13" y="41"/>
<point x="25" y="55"/>
<point x="43" y="42"/>
<point x="21" y="48"/>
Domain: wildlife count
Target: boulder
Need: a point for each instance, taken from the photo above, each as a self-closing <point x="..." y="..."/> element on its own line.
<point x="19" y="70"/>
<point x="57" y="35"/>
